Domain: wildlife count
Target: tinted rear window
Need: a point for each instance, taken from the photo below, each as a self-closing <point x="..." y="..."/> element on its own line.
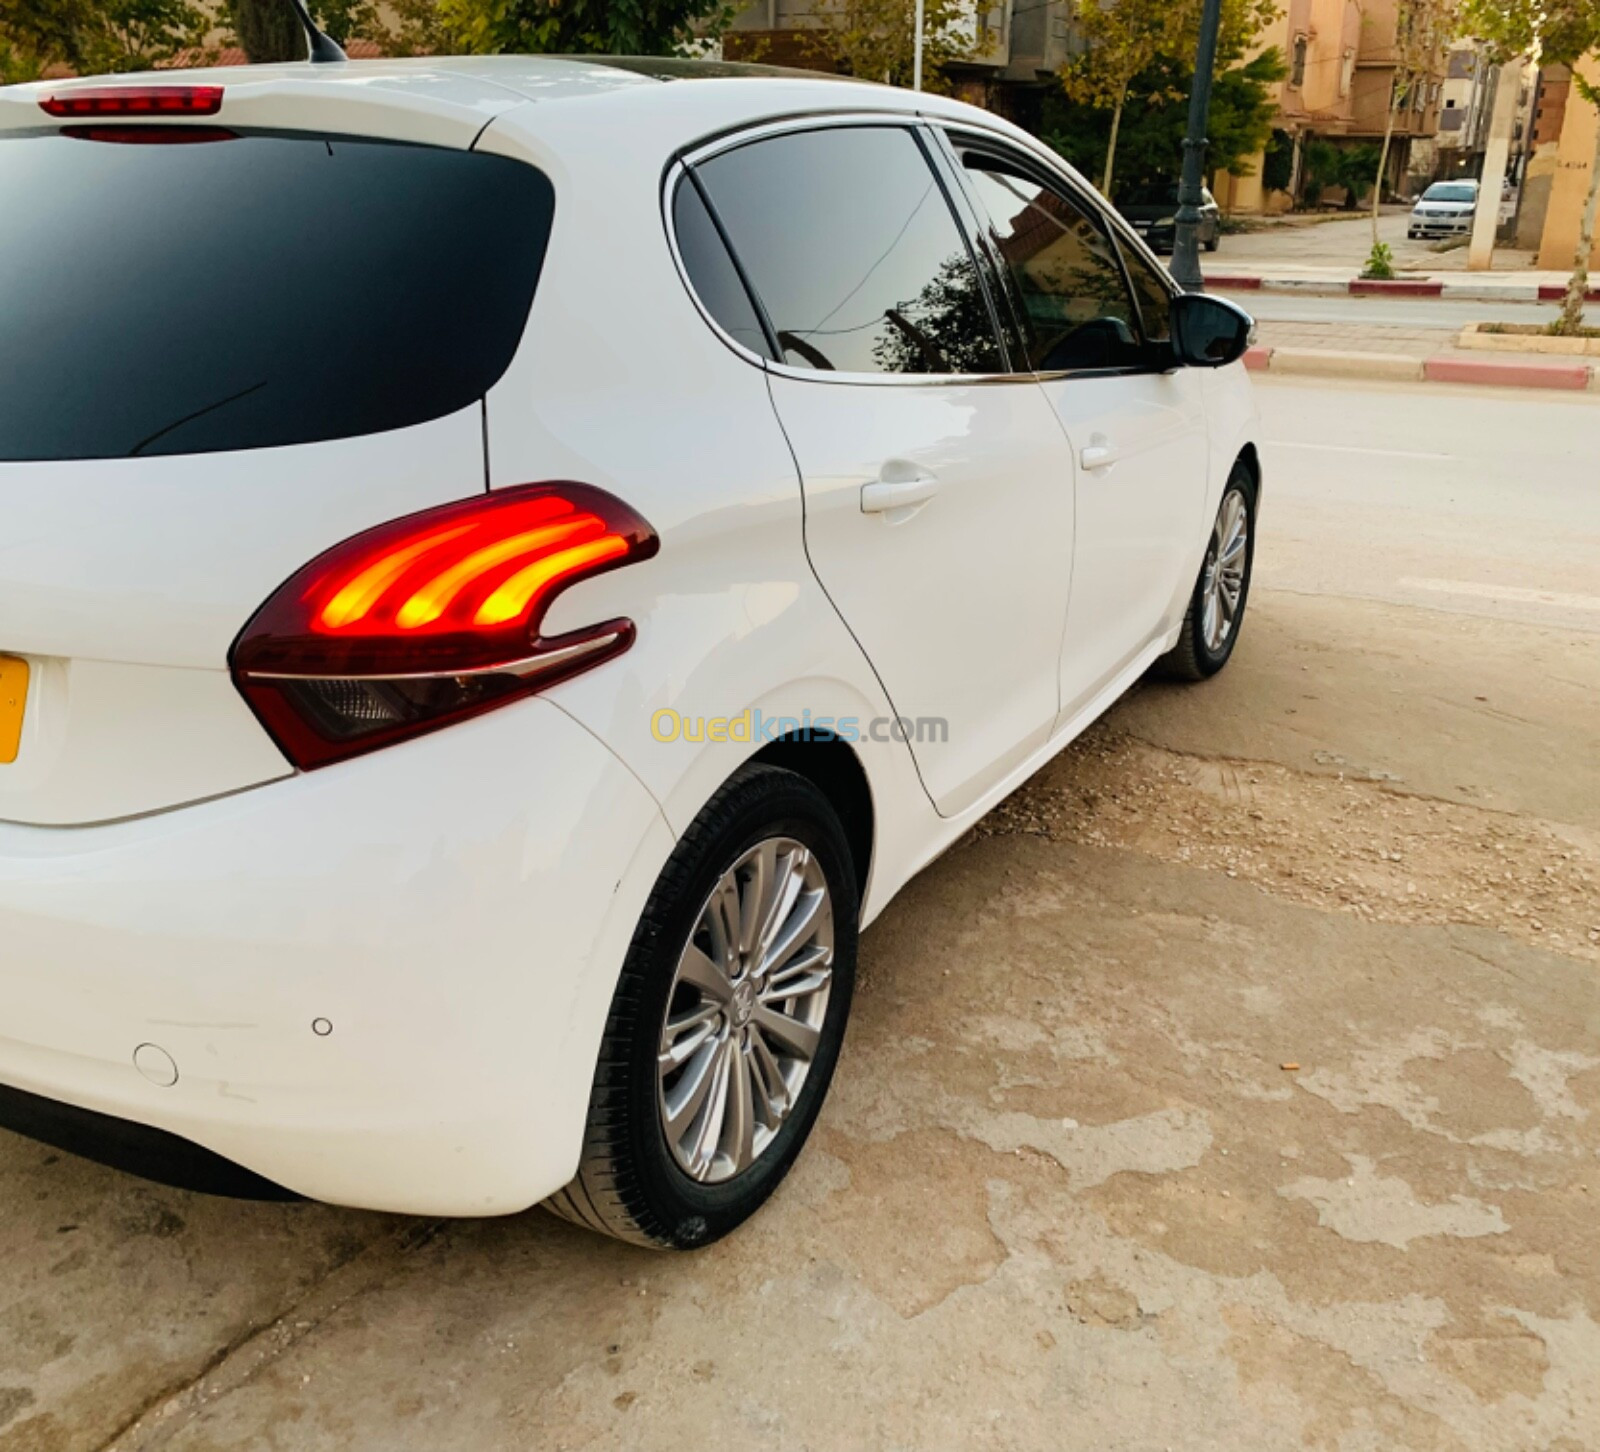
<point x="254" y="291"/>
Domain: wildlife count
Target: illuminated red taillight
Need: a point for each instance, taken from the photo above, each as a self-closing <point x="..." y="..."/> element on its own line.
<point x="433" y="618"/>
<point x="97" y="101"/>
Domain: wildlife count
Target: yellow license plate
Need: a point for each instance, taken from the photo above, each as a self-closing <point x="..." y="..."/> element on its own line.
<point x="13" y="701"/>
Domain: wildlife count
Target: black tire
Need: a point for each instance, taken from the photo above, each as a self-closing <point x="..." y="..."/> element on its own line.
<point x="1191" y="659"/>
<point x="1214" y="241"/>
<point x="628" y="1183"/>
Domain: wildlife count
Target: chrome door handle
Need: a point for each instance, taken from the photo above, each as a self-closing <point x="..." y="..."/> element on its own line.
<point x="1098" y="456"/>
<point x="883" y="496"/>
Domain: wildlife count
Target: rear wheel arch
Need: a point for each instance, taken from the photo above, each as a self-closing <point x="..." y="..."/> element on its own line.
<point x="832" y="766"/>
<point x="1250" y="460"/>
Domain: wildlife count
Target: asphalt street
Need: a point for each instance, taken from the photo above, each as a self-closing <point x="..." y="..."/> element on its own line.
<point x="1235" y="1085"/>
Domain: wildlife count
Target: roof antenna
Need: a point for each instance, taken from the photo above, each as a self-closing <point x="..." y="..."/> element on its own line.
<point x="324" y="49"/>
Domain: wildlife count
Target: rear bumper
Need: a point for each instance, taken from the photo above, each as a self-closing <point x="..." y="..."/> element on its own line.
<point x="382" y="984"/>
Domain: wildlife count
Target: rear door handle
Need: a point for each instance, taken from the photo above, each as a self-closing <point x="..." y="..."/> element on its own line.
<point x="885" y="495"/>
<point x="1098" y="456"/>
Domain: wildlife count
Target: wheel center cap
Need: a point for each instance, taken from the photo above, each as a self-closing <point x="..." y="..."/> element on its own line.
<point x="744" y="1003"/>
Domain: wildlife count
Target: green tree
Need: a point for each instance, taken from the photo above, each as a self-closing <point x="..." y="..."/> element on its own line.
<point x="1150" y="143"/>
<point x="612" y="27"/>
<point x="1355" y="168"/>
<point x="269" y="30"/>
<point x="1422" y="30"/>
<point x="1552" y="32"/>
<point x="875" y="39"/>
<point x="1134" y="48"/>
<point x="91" y="37"/>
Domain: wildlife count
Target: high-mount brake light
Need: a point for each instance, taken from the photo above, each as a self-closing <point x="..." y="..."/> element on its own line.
<point x="433" y="618"/>
<point x="92" y="103"/>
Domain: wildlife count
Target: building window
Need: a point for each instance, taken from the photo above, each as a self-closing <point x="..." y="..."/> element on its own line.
<point x="1297" y="66"/>
<point x="1347" y="72"/>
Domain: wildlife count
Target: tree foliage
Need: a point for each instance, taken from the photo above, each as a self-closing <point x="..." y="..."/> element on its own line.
<point x="1552" y="32"/>
<point x="94" y="36"/>
<point x="875" y="39"/>
<point x="1150" y="147"/>
<point x="269" y="30"/>
<point x="1136" y="51"/>
<point x="611" y="27"/>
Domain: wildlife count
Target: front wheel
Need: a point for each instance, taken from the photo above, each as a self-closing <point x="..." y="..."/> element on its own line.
<point x="727" y="1020"/>
<point x="1216" y="609"/>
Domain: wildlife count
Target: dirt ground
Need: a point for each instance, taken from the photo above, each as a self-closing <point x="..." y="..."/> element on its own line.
<point x="1233" y="1086"/>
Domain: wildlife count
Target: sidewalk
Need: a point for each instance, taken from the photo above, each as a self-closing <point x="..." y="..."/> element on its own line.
<point x="1407" y="355"/>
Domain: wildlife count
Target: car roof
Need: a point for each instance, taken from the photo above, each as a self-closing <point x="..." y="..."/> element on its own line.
<point x="448" y="99"/>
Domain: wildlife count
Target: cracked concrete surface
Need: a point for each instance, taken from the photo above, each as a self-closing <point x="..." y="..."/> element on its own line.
<point x="1066" y="1194"/>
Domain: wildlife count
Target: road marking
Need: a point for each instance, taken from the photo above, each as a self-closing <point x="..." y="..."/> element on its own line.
<point x="1353" y="449"/>
<point x="1516" y="594"/>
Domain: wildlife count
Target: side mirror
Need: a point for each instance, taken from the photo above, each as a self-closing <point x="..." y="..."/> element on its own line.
<point x="1208" y="332"/>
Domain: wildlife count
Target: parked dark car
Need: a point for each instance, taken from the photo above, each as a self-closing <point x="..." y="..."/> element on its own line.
<point x="1152" y="210"/>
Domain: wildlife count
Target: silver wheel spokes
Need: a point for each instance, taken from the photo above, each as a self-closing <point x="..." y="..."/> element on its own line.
<point x="1222" y="592"/>
<point x="745" y="1012"/>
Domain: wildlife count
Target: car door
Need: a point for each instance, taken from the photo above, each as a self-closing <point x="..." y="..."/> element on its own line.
<point x="1094" y="317"/>
<point x="938" y="490"/>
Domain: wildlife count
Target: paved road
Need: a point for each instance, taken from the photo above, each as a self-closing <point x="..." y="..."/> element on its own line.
<point x="1067" y="1194"/>
<point x="1345" y="242"/>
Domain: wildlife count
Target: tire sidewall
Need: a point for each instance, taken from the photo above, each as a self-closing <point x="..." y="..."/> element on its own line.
<point x="686" y="1213"/>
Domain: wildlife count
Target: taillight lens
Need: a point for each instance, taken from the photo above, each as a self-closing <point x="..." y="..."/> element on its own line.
<point x="94" y="101"/>
<point x="433" y="618"/>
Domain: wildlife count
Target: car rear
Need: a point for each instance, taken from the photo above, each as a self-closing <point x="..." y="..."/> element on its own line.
<point x="250" y="894"/>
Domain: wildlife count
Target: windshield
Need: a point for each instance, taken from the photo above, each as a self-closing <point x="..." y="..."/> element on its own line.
<point x="1448" y="192"/>
<point x="1161" y="194"/>
<point x="246" y="291"/>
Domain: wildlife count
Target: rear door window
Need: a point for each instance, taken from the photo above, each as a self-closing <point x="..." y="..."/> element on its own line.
<point x="253" y="290"/>
<point x="848" y="239"/>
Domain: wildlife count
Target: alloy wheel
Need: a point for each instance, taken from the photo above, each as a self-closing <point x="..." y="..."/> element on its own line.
<point x="746" y="1009"/>
<point x="1222" y="585"/>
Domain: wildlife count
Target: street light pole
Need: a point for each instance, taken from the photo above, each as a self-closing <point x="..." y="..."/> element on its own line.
<point x="1186" y="244"/>
<point x="916" y="51"/>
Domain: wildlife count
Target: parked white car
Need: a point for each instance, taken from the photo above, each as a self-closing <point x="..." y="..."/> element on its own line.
<point x="1445" y="210"/>
<point x="508" y="564"/>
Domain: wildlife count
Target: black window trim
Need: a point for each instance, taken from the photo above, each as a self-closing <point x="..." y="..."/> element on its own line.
<point x="960" y="135"/>
<point x="683" y="164"/>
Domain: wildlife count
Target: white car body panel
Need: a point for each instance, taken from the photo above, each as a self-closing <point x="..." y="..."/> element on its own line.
<point x="959" y="602"/>
<point x="1138" y="516"/>
<point x="453" y="906"/>
<point x="156" y="564"/>
<point x="458" y="907"/>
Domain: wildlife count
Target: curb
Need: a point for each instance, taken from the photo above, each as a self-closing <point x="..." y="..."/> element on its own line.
<point x="1397" y="287"/>
<point x="1397" y="368"/>
<point x="1334" y="363"/>
<point x="1489" y="292"/>
<point x="1571" y="377"/>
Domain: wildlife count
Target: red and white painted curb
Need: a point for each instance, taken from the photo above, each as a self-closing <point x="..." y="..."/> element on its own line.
<point x="1476" y="291"/>
<point x="1392" y="367"/>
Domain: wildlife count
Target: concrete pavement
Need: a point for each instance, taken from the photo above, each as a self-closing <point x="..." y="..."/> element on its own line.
<point x="1067" y="1193"/>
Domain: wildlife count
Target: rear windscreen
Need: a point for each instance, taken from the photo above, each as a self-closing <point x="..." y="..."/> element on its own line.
<point x="253" y="290"/>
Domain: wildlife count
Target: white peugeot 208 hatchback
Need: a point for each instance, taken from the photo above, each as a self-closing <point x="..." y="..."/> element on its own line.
<point x="506" y="565"/>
